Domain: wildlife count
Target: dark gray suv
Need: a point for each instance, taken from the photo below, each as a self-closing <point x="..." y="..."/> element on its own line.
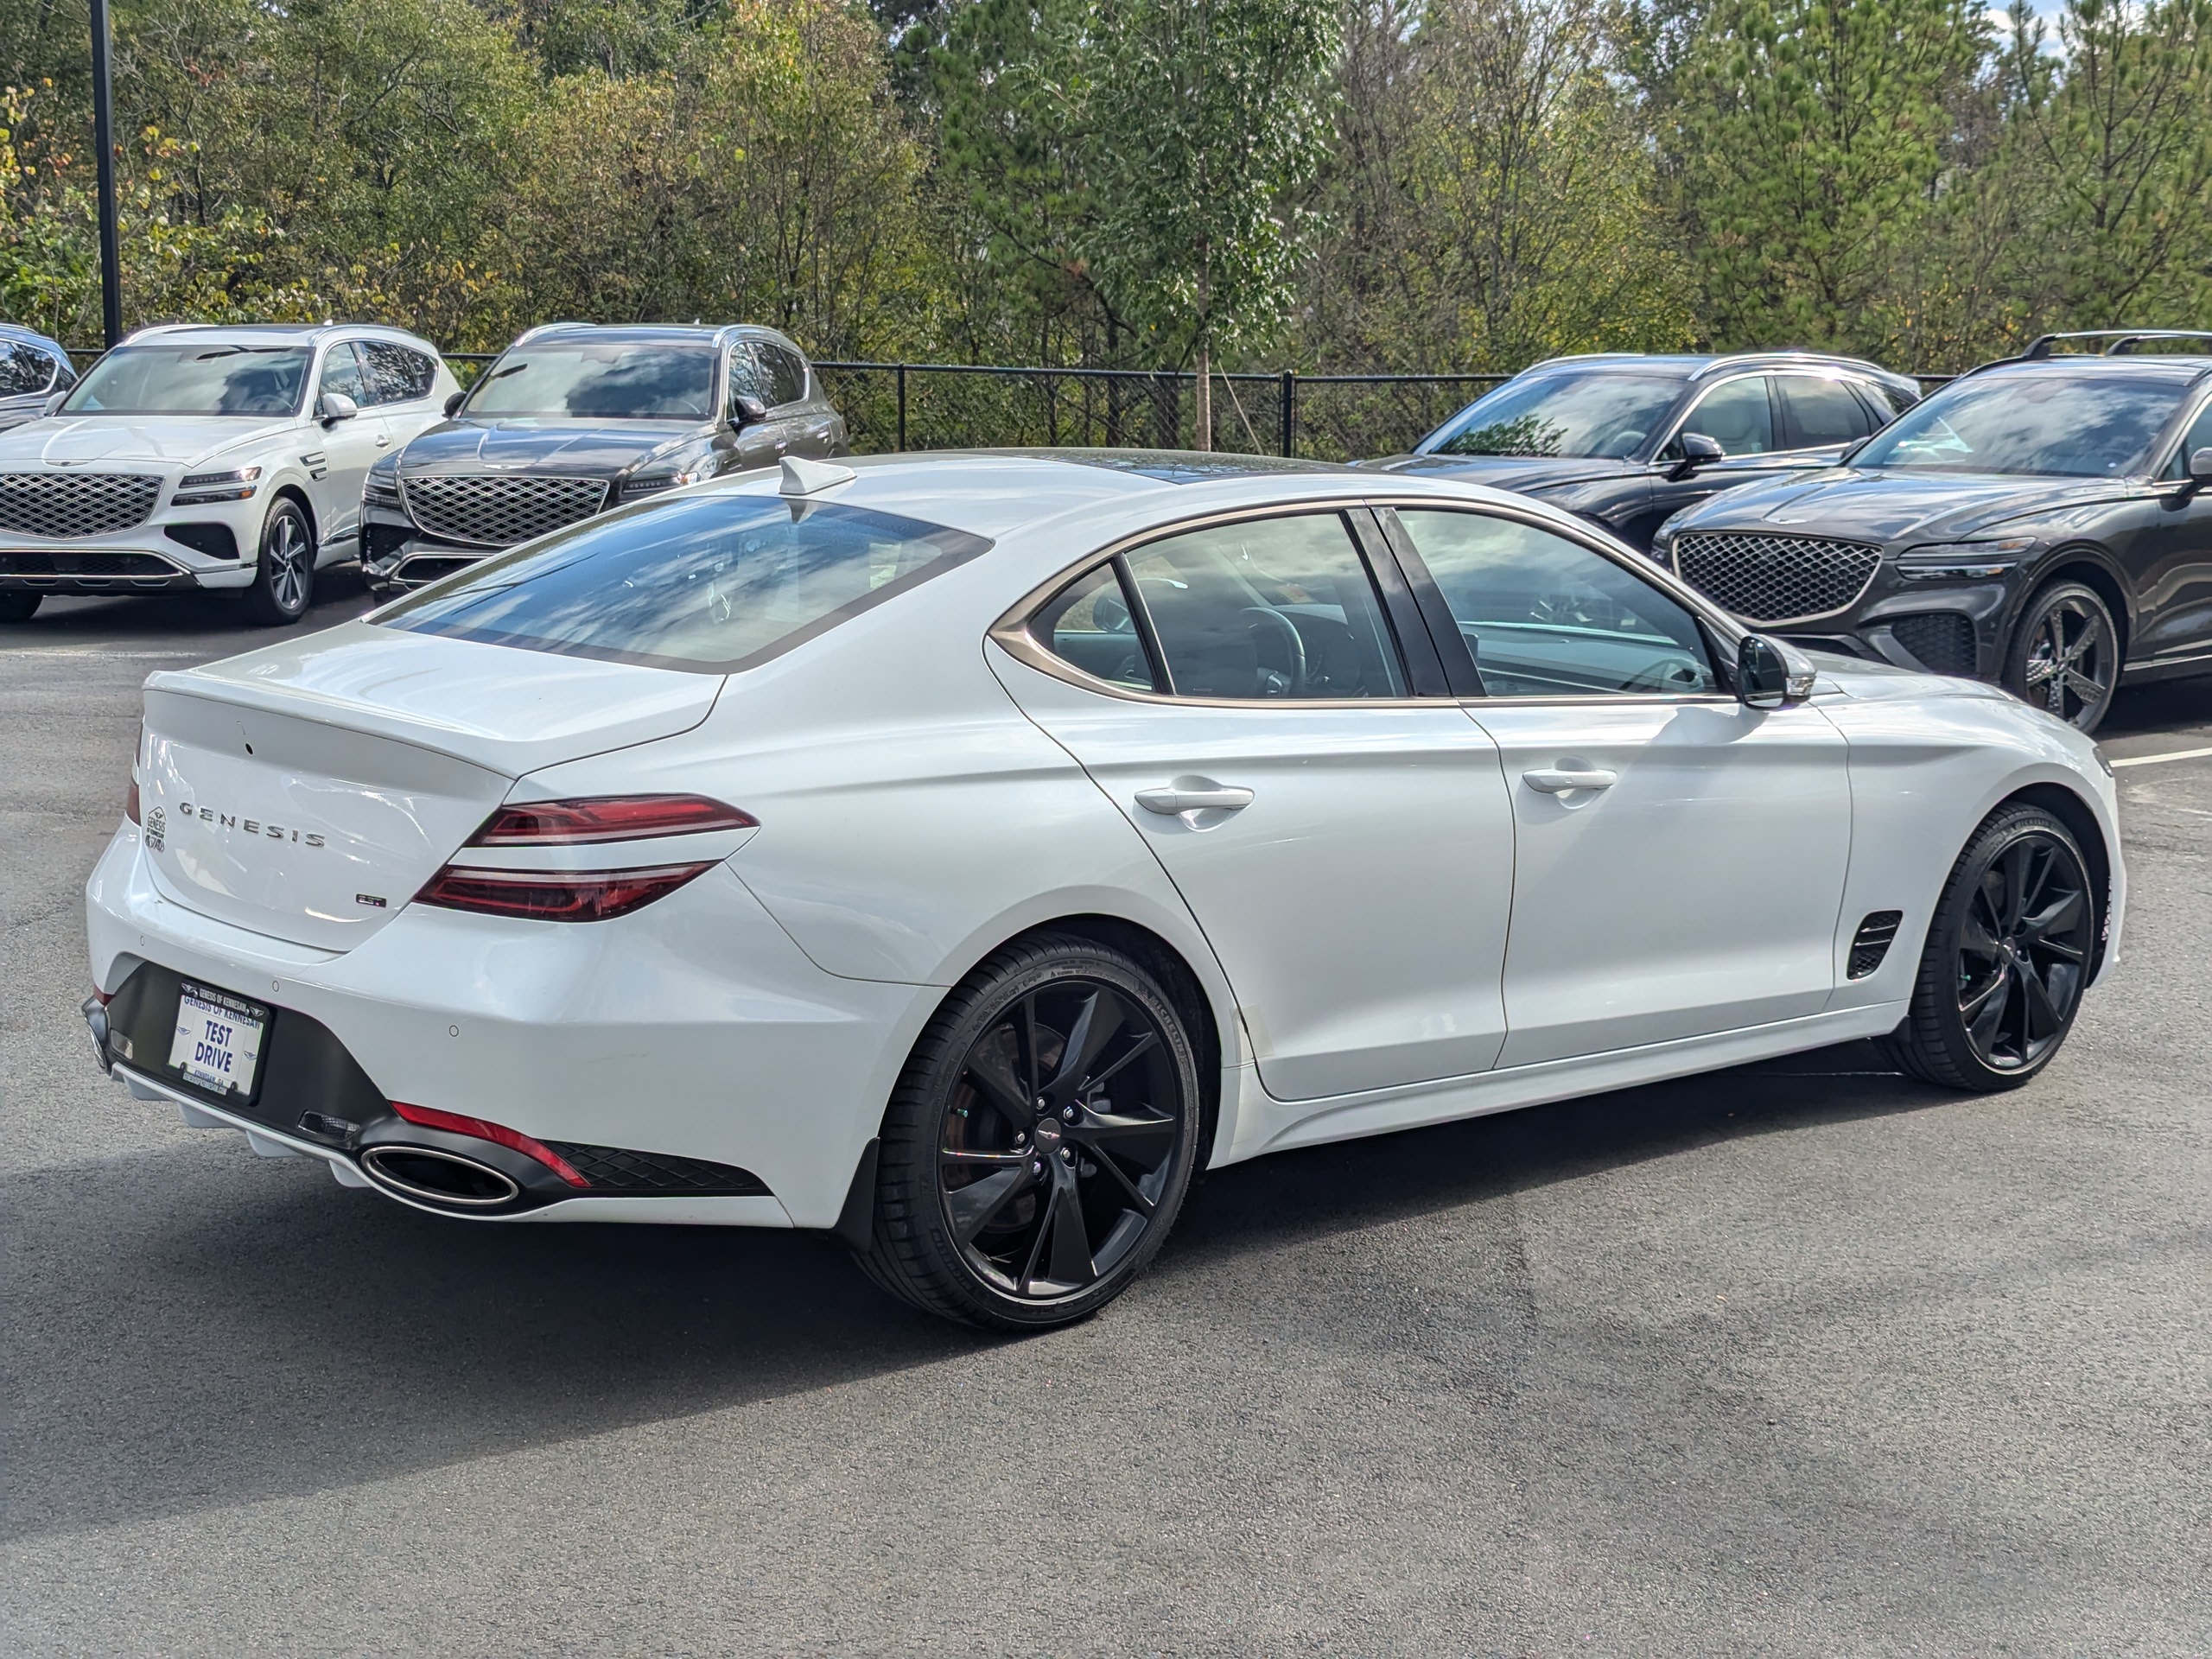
<point x="574" y="419"/>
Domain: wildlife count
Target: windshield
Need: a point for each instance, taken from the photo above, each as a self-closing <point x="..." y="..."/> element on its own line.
<point x="714" y="584"/>
<point x="600" y="380"/>
<point x="1586" y="414"/>
<point x="2042" y="424"/>
<point x="192" y="379"/>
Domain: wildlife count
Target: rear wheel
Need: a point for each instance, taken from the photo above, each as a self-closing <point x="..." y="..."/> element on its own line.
<point x="2007" y="957"/>
<point x="1040" y="1145"/>
<point x="2065" y="655"/>
<point x="283" y="577"/>
<point x="19" y="606"/>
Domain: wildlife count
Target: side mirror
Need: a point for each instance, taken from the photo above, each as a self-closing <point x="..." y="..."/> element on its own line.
<point x="334" y="406"/>
<point x="1770" y="674"/>
<point x="1698" y="450"/>
<point x="2200" y="467"/>
<point x="746" y="411"/>
<point x="52" y="405"/>
<point x="1851" y="452"/>
<point x="454" y="403"/>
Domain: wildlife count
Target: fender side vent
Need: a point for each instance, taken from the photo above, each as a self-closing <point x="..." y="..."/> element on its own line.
<point x="1872" y="943"/>
<point x="618" y="1170"/>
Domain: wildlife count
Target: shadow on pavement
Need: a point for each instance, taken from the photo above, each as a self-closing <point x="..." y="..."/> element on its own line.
<point x="125" y="622"/>
<point x="200" y="1328"/>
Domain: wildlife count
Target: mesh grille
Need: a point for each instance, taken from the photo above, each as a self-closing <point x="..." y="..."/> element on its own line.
<point x="497" y="509"/>
<point x="1942" y="640"/>
<point x="614" y="1169"/>
<point x="1872" y="943"/>
<point x="1776" y="578"/>
<point x="84" y="564"/>
<point x="63" y="505"/>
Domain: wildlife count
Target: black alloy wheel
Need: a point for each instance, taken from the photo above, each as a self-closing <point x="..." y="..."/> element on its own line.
<point x="2065" y="655"/>
<point x="19" y="606"/>
<point x="1040" y="1147"/>
<point x="2008" y="954"/>
<point x="283" y="577"/>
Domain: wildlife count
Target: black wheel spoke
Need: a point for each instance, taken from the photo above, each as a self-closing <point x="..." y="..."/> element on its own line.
<point x="1096" y="1024"/>
<point x="2039" y="1016"/>
<point x="1989" y="1012"/>
<point x="960" y="1155"/>
<point x="1976" y="935"/>
<point x="992" y="1073"/>
<point x="976" y="1205"/>
<point x="1104" y="1159"/>
<point x="1101" y="1126"/>
<point x="2059" y="916"/>
<point x="1071" y="1258"/>
<point x="1142" y="1046"/>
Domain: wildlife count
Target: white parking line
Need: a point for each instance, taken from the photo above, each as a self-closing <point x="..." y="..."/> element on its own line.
<point x="2154" y="759"/>
<point x="88" y="651"/>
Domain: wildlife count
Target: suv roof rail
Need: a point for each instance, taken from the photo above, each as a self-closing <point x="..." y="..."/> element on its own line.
<point x="533" y="332"/>
<point x="1786" y="353"/>
<point x="2118" y="342"/>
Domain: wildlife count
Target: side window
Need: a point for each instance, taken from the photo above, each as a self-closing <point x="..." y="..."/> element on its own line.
<point x="2199" y="437"/>
<point x="786" y="375"/>
<point x="1088" y="625"/>
<point x="395" y="375"/>
<point x="1821" y="412"/>
<point x="748" y="377"/>
<point x="341" y="372"/>
<point x="1547" y="617"/>
<point x="1271" y="608"/>
<point x="23" y="370"/>
<point x="1881" y="403"/>
<point x="1737" y="417"/>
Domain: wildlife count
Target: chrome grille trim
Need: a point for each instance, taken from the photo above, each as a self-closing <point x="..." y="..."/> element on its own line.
<point x="498" y="509"/>
<point x="1776" y="581"/>
<point x="63" y="505"/>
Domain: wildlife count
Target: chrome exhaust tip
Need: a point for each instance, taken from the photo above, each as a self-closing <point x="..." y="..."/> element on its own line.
<point x="445" y="1179"/>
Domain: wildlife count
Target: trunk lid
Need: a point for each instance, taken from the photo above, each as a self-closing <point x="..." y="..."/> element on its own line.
<point x="308" y="790"/>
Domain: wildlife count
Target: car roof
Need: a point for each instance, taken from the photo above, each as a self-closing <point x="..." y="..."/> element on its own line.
<point x="996" y="493"/>
<point x="1694" y="366"/>
<point x="705" y="332"/>
<point x="2176" y="369"/>
<point x="16" y="331"/>
<point x="264" y="334"/>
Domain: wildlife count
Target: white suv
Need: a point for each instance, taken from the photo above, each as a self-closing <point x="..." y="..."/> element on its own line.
<point x="203" y="456"/>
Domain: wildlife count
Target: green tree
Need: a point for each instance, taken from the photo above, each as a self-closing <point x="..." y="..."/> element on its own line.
<point x="1203" y="119"/>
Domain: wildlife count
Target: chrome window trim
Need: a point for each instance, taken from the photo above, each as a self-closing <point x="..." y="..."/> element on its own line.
<point x="1011" y="632"/>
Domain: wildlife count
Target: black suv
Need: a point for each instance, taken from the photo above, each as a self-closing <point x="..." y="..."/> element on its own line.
<point x="2044" y="521"/>
<point x="573" y="419"/>
<point x="1626" y="440"/>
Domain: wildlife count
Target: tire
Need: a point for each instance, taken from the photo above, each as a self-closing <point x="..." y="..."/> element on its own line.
<point x="2007" y="957"/>
<point x="19" y="606"/>
<point x="2065" y="654"/>
<point x="284" y="574"/>
<point x="1012" y="1192"/>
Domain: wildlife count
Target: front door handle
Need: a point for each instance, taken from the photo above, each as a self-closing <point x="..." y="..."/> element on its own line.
<point x="1187" y="797"/>
<point x="383" y="441"/>
<point x="1559" y="780"/>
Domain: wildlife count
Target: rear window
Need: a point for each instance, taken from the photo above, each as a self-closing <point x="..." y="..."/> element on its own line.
<point x="711" y="585"/>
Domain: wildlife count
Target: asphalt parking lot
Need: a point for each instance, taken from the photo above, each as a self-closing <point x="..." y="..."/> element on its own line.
<point x="1800" y="1358"/>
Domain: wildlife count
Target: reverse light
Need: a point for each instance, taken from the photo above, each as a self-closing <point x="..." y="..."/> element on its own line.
<point x="607" y="817"/>
<point x="198" y="489"/>
<point x="555" y="896"/>
<point x="430" y="1117"/>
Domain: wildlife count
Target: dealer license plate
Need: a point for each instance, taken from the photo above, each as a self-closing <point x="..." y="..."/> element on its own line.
<point x="218" y="1041"/>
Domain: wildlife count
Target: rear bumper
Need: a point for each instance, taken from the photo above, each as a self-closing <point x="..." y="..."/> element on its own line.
<point x="692" y="1032"/>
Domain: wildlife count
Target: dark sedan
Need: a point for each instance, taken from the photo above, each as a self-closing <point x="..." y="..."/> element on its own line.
<point x="2045" y="521"/>
<point x="574" y="419"/>
<point x="1626" y="440"/>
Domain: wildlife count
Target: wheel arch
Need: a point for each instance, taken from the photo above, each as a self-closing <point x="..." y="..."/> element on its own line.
<point x="2082" y="823"/>
<point x="2093" y="568"/>
<point x="292" y="492"/>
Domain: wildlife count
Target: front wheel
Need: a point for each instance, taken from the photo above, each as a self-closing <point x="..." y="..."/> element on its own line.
<point x="2007" y="957"/>
<point x="1040" y="1145"/>
<point x="283" y="577"/>
<point x="2065" y="654"/>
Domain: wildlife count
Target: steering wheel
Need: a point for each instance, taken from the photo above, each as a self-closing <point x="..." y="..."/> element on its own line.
<point x="1261" y="620"/>
<point x="1680" y="672"/>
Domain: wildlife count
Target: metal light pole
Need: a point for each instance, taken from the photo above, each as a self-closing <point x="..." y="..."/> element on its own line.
<point x="103" y="141"/>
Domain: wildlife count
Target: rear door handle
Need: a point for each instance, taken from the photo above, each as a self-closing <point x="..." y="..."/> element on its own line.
<point x="1187" y="797"/>
<point x="1558" y="781"/>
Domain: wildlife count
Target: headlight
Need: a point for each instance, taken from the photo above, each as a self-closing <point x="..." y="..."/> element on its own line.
<point x="1962" y="561"/>
<point x="653" y="483"/>
<point x="382" y="484"/>
<point x="198" y="489"/>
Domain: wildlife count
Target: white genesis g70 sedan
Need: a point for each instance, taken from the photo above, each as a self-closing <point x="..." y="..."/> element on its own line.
<point x="957" y="852"/>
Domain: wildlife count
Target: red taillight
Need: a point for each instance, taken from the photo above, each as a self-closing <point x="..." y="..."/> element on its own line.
<point x="131" y="802"/>
<point x="607" y="817"/>
<point x="453" y="1123"/>
<point x="555" y="896"/>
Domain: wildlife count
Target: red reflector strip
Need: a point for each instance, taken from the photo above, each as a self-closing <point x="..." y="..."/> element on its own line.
<point x="131" y="802"/>
<point x="430" y="1117"/>
<point x="608" y="817"/>
<point x="555" y="896"/>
